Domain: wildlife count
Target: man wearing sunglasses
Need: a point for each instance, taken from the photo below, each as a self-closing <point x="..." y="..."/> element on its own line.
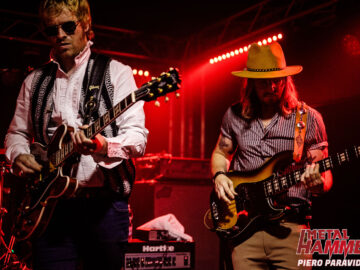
<point x="89" y="230"/>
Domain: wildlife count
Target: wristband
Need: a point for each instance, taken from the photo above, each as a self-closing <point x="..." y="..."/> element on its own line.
<point x="99" y="144"/>
<point x="217" y="174"/>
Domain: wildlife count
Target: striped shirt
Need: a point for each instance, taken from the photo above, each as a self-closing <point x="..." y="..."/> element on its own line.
<point x="255" y="144"/>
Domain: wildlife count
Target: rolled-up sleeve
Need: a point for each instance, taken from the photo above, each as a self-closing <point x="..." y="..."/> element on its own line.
<point x="316" y="136"/>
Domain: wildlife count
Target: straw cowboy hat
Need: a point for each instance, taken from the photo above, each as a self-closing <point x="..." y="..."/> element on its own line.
<point x="266" y="61"/>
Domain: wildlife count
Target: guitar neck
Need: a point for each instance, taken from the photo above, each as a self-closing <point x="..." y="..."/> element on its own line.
<point x="98" y="125"/>
<point x="107" y="118"/>
<point x="167" y="82"/>
<point x="281" y="183"/>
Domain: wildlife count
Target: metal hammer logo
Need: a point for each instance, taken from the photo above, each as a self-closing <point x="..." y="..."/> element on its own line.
<point x="328" y="242"/>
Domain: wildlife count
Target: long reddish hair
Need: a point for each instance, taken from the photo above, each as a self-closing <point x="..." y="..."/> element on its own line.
<point x="251" y="105"/>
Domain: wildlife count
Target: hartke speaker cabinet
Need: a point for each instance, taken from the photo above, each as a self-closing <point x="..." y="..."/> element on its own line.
<point x="188" y="200"/>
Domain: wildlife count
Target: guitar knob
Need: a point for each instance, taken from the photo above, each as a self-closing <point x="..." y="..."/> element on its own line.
<point x="177" y="95"/>
<point x="157" y="103"/>
<point x="167" y="99"/>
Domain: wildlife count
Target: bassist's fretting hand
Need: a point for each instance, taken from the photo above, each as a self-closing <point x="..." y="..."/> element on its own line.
<point x="86" y="146"/>
<point x="25" y="164"/>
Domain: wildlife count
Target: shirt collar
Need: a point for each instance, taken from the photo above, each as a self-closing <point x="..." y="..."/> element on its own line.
<point x="82" y="57"/>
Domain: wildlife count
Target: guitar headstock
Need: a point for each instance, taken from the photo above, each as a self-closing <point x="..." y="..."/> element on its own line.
<point x="166" y="83"/>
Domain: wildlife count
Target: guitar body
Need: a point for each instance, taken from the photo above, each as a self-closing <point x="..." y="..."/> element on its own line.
<point x="239" y="220"/>
<point x="43" y="191"/>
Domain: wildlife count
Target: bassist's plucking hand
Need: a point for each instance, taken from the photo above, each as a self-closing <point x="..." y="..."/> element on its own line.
<point x="224" y="188"/>
<point x="25" y="164"/>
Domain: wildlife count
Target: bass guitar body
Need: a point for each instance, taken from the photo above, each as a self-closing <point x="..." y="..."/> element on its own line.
<point x="253" y="205"/>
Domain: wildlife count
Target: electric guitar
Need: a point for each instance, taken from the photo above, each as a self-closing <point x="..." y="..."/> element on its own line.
<point x="254" y="203"/>
<point x="51" y="184"/>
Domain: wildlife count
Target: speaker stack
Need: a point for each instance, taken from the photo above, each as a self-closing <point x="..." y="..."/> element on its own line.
<point x="181" y="187"/>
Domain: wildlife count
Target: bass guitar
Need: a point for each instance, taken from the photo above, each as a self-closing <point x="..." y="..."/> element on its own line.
<point x="256" y="190"/>
<point x="51" y="184"/>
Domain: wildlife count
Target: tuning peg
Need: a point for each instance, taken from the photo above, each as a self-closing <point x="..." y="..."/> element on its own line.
<point x="168" y="74"/>
<point x="177" y="95"/>
<point x="171" y="68"/>
<point x="160" y="90"/>
<point x="157" y="103"/>
<point x="151" y="94"/>
<point x="167" y="99"/>
<point x="158" y="79"/>
<point x="169" y="86"/>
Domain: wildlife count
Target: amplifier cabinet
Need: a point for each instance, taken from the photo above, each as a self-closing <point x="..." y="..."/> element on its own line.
<point x="159" y="255"/>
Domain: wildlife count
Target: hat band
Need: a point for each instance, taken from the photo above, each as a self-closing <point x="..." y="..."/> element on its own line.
<point x="263" y="69"/>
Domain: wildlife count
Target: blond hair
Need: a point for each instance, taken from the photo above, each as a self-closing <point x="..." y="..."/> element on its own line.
<point x="80" y="8"/>
<point x="250" y="104"/>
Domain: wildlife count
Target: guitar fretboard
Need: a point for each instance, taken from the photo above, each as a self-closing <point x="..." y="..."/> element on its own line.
<point x="278" y="184"/>
<point x="160" y="86"/>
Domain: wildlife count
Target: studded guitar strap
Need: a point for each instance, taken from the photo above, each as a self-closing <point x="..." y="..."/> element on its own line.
<point x="300" y="129"/>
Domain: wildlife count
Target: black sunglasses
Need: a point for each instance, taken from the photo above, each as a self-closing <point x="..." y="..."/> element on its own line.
<point x="68" y="27"/>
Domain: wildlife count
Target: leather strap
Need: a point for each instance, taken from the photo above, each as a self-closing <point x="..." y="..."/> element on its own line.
<point x="300" y="129"/>
<point x="94" y="85"/>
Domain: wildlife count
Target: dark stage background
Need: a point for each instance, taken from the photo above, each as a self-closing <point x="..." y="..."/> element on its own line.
<point x="327" y="46"/>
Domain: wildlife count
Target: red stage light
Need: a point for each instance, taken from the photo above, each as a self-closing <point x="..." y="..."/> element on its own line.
<point x="134" y="71"/>
<point x="146" y="73"/>
<point x="224" y="56"/>
<point x="140" y="72"/>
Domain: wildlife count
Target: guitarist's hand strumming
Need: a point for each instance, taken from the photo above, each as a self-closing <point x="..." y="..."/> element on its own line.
<point x="25" y="164"/>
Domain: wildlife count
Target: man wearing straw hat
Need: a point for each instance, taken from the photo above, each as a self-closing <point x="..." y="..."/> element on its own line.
<point x="265" y="122"/>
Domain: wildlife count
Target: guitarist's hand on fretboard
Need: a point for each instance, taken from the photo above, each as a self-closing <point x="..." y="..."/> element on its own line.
<point x="86" y="146"/>
<point x="25" y="164"/>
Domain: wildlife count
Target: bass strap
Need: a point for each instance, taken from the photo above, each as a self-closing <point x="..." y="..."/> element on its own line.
<point x="300" y="129"/>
